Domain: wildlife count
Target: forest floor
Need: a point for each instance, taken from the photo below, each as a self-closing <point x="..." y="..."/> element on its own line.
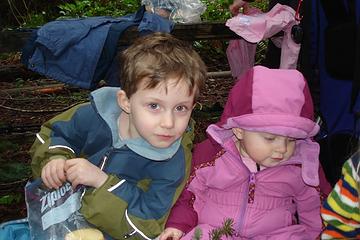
<point x="27" y="100"/>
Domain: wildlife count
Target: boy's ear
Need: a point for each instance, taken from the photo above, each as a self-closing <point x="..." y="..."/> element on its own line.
<point x="238" y="132"/>
<point x="123" y="101"/>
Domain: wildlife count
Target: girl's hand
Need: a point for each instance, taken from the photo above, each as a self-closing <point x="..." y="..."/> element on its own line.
<point x="81" y="171"/>
<point x="53" y="173"/>
<point x="171" y="233"/>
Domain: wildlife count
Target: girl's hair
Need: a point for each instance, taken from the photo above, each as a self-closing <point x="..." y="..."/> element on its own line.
<point x="158" y="57"/>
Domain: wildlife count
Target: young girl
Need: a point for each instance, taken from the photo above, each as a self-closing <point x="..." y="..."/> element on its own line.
<point x="265" y="177"/>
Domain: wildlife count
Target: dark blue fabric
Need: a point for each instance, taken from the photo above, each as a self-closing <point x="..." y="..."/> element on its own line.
<point x="82" y="52"/>
<point x="150" y="23"/>
<point x="335" y="95"/>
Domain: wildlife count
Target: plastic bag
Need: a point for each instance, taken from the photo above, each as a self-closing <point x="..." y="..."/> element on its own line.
<point x="241" y="56"/>
<point x="54" y="214"/>
<point x="181" y="11"/>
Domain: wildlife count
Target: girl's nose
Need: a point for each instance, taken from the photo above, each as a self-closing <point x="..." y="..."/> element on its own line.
<point x="281" y="146"/>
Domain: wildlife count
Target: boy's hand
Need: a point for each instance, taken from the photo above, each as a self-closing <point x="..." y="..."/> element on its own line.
<point x="81" y="171"/>
<point x="53" y="174"/>
<point x="171" y="233"/>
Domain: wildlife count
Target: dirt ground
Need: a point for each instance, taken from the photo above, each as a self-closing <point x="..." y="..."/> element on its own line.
<point x="26" y="102"/>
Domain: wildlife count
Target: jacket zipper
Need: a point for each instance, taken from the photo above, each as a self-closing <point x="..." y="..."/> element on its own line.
<point x="248" y="199"/>
<point x="104" y="160"/>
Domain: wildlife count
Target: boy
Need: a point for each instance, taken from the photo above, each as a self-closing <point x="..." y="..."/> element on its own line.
<point x="125" y="145"/>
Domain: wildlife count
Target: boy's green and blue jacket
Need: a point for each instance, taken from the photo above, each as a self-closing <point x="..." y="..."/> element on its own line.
<point x="144" y="182"/>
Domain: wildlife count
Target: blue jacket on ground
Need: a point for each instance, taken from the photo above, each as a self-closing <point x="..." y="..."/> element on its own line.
<point x="82" y="52"/>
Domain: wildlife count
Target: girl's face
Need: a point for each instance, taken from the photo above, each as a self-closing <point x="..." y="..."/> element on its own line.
<point x="266" y="149"/>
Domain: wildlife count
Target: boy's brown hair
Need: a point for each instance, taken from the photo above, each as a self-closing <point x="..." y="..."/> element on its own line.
<point x="158" y="57"/>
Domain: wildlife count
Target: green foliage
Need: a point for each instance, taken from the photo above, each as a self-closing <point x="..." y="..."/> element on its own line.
<point x="197" y="234"/>
<point x="19" y="82"/>
<point x="10" y="199"/>
<point x="10" y="172"/>
<point x="263" y="5"/>
<point x="216" y="10"/>
<point x="7" y="145"/>
<point x="34" y="20"/>
<point x="226" y="230"/>
<point x="29" y="14"/>
<point x="261" y="49"/>
<point x="87" y="8"/>
<point x="36" y="13"/>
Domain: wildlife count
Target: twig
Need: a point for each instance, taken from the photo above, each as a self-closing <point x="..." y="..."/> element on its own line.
<point x="12" y="11"/>
<point x="40" y="111"/>
<point x="14" y="183"/>
<point x="37" y="88"/>
<point x="219" y="74"/>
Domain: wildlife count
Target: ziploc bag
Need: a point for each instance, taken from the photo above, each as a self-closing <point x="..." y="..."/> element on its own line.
<point x="54" y="214"/>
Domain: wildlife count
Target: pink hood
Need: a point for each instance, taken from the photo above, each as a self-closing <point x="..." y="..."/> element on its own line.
<point x="277" y="101"/>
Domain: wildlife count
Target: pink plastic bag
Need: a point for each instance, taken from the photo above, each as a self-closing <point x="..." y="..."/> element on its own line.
<point x="257" y="27"/>
<point x="241" y="56"/>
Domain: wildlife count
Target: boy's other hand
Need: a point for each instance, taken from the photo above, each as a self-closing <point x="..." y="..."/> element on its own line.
<point x="171" y="233"/>
<point x="53" y="174"/>
<point x="81" y="171"/>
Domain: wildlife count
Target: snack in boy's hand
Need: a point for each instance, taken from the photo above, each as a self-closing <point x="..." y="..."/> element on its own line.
<point x="85" y="234"/>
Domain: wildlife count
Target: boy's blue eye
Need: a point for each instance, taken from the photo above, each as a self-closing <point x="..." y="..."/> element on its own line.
<point x="181" y="108"/>
<point x="153" y="106"/>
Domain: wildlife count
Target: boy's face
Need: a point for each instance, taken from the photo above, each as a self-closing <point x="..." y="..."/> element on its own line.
<point x="266" y="149"/>
<point x="159" y="115"/>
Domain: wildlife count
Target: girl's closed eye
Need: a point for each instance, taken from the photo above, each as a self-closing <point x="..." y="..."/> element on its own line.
<point x="291" y="139"/>
<point x="269" y="137"/>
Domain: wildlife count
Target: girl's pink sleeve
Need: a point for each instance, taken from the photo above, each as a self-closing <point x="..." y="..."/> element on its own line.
<point x="182" y="215"/>
<point x="308" y="207"/>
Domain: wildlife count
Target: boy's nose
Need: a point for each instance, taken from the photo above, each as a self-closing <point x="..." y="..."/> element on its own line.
<point x="167" y="120"/>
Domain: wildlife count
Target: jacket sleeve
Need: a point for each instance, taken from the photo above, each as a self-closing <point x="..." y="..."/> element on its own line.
<point x="140" y="209"/>
<point x="340" y="211"/>
<point x="308" y="208"/>
<point x="183" y="215"/>
<point x="60" y="137"/>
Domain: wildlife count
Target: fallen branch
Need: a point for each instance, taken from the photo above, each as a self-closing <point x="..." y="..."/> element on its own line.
<point x="39" y="111"/>
<point x="34" y="89"/>
<point x="219" y="74"/>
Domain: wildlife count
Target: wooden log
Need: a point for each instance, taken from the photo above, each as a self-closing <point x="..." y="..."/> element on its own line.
<point x="219" y="74"/>
<point x="188" y="32"/>
<point x="9" y="73"/>
<point x="14" y="40"/>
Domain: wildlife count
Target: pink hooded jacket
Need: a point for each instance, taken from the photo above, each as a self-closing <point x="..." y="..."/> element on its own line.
<point x="262" y="204"/>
